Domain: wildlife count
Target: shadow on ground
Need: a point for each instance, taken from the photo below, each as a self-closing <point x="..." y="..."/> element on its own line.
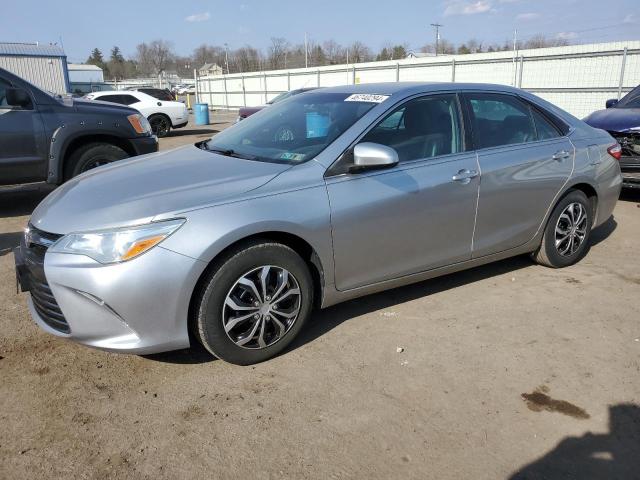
<point x="8" y="241"/>
<point x="613" y="455"/>
<point x="184" y="133"/>
<point x="21" y="200"/>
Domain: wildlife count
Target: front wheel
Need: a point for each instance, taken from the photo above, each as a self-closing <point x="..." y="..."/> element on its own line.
<point x="252" y="306"/>
<point x="566" y="237"/>
<point x="91" y="156"/>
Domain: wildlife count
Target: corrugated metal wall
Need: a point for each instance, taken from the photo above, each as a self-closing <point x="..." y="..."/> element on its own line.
<point x="577" y="78"/>
<point x="44" y="72"/>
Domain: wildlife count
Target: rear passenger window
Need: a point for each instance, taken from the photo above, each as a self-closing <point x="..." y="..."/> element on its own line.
<point x="500" y="120"/>
<point x="424" y="127"/>
<point x="110" y="98"/>
<point x="128" y="100"/>
<point x="544" y="128"/>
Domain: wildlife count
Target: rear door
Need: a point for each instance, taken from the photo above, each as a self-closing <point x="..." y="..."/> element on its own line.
<point x="23" y="153"/>
<point x="525" y="160"/>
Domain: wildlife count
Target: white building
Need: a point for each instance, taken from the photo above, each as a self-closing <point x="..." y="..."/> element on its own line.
<point x="43" y="65"/>
<point x="85" y="73"/>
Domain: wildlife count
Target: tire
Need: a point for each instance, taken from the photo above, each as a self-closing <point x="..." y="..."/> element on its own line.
<point x="160" y="125"/>
<point x="91" y="156"/>
<point x="253" y="340"/>
<point x="561" y="230"/>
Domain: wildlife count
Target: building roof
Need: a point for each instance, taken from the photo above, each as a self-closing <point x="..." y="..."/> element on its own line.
<point x="210" y="66"/>
<point x="83" y="67"/>
<point x="31" y="50"/>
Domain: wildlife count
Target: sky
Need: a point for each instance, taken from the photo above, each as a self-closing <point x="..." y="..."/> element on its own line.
<point x="80" y="25"/>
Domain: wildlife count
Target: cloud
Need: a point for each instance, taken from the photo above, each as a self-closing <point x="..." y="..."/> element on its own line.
<point x="467" y="8"/>
<point x="198" y="17"/>
<point x="567" y="35"/>
<point x="528" y="16"/>
<point x="631" y="18"/>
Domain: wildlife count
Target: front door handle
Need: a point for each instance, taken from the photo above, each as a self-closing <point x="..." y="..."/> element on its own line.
<point x="464" y="176"/>
<point x="561" y="155"/>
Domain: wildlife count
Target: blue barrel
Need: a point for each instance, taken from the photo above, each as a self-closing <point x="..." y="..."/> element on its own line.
<point x="202" y="113"/>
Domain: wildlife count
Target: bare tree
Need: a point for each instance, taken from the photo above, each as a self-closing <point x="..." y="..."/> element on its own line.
<point x="245" y="59"/>
<point x="359" y="52"/>
<point x="332" y="51"/>
<point x="278" y="53"/>
<point x="154" y="57"/>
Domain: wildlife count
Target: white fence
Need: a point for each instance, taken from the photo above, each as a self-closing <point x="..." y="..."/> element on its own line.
<point x="578" y="78"/>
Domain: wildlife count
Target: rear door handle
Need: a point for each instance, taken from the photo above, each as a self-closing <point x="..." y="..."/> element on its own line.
<point x="464" y="176"/>
<point x="561" y="155"/>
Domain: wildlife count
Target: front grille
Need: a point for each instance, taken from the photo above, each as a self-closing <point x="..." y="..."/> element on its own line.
<point x="36" y="243"/>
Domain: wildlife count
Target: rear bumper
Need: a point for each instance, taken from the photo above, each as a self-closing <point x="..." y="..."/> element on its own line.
<point x="180" y="125"/>
<point x="143" y="145"/>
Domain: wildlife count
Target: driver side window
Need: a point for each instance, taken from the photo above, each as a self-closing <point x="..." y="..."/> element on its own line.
<point x="424" y="127"/>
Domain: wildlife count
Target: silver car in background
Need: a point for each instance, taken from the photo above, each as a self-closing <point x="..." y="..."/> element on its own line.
<point x="324" y="197"/>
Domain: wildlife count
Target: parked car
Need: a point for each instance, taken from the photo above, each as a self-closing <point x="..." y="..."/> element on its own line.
<point x="245" y="112"/>
<point x="622" y="120"/>
<point x="162" y="115"/>
<point x="44" y="137"/>
<point x="186" y="89"/>
<point x="328" y="196"/>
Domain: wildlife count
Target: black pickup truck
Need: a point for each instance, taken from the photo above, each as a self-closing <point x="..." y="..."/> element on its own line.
<point x="44" y="137"/>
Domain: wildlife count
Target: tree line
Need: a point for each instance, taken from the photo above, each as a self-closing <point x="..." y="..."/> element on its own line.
<point x="153" y="58"/>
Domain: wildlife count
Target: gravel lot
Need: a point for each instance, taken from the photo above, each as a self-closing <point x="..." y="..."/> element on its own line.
<point x="425" y="381"/>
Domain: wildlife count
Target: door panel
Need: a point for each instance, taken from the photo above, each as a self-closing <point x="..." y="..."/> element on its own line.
<point x="22" y="158"/>
<point x="408" y="219"/>
<point x="519" y="182"/>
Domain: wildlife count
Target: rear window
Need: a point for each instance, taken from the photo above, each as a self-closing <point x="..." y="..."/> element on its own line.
<point x="158" y="94"/>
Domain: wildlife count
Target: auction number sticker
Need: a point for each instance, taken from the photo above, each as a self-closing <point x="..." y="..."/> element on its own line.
<point x="366" y="97"/>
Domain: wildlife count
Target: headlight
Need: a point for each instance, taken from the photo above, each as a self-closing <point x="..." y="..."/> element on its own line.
<point x="139" y="123"/>
<point x="118" y="245"/>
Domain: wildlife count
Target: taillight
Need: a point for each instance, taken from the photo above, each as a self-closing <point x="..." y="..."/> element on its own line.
<point x="615" y="151"/>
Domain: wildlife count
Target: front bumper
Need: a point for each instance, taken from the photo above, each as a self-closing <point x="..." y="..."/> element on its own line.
<point x="143" y="145"/>
<point x="140" y="306"/>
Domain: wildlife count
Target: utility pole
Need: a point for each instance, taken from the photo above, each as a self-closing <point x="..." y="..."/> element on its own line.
<point x="306" y="50"/>
<point x="226" y="57"/>
<point x="515" y="53"/>
<point x="437" y="27"/>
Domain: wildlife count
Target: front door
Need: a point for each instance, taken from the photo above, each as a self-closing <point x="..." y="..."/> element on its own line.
<point x="22" y="158"/>
<point x="413" y="217"/>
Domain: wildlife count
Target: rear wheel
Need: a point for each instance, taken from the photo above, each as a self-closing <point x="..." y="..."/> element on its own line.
<point x="91" y="156"/>
<point x="160" y="125"/>
<point x="566" y="237"/>
<point x="252" y="306"/>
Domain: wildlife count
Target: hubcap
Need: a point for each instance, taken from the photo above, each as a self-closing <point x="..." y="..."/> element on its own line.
<point x="261" y="307"/>
<point x="571" y="229"/>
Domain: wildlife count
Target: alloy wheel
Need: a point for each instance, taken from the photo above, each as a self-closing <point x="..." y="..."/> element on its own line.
<point x="571" y="229"/>
<point x="261" y="307"/>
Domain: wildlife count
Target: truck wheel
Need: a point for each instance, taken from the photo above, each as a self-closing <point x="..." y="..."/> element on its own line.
<point x="91" y="156"/>
<point x="160" y="125"/>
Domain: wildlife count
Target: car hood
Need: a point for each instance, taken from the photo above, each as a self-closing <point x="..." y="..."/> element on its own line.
<point x="615" y="119"/>
<point x="97" y="106"/>
<point x="136" y="190"/>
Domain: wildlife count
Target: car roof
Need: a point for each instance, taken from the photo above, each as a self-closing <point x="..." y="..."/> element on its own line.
<point x="407" y="88"/>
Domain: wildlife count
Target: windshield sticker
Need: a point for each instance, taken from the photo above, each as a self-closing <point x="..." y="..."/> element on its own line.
<point x="366" y="97"/>
<point x="296" y="157"/>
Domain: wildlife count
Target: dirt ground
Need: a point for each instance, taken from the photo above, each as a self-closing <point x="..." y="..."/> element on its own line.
<point x="510" y="370"/>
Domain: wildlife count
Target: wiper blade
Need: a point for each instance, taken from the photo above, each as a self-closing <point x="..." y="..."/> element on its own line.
<point x="228" y="152"/>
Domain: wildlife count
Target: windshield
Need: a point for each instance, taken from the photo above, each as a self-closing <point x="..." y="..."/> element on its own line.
<point x="631" y="99"/>
<point x="292" y="131"/>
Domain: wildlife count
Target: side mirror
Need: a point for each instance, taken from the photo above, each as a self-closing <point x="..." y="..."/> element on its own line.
<point x="612" y="102"/>
<point x="372" y="156"/>
<point x="18" y="97"/>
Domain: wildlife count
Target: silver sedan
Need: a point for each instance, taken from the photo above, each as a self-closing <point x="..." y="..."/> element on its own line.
<point x="324" y="197"/>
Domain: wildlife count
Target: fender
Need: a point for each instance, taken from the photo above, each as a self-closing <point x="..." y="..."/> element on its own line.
<point x="67" y="133"/>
